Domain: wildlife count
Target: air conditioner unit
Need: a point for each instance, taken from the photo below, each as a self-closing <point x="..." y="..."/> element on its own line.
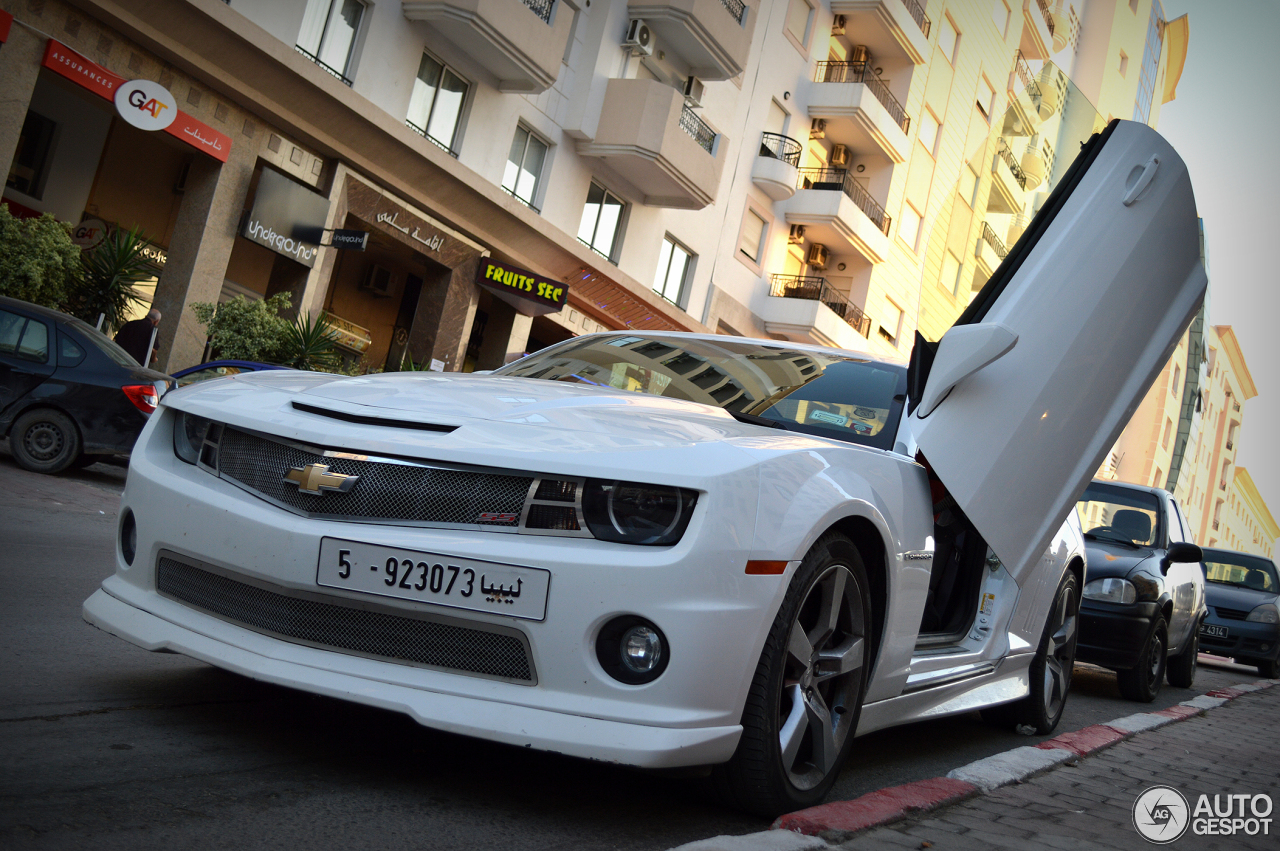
<point x="837" y="26"/>
<point x="797" y="235"/>
<point x="639" y="38"/>
<point x="694" y="92"/>
<point x="377" y="280"/>
<point x="839" y="156"/>
<point x="818" y="129"/>
<point x="817" y="257"/>
<point x="860" y="53"/>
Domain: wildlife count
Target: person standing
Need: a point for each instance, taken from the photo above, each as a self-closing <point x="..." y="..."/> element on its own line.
<point x="135" y="336"/>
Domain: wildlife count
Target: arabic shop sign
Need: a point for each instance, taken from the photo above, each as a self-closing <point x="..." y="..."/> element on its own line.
<point x="65" y="62"/>
<point x="534" y="294"/>
<point x="435" y="243"/>
<point x="286" y="217"/>
<point x="146" y="105"/>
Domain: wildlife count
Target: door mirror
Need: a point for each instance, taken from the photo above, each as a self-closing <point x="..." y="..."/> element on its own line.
<point x="1181" y="552"/>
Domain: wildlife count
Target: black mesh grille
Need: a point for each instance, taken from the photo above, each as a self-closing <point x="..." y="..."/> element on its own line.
<point x="1231" y="614"/>
<point x="383" y="492"/>
<point x="391" y="637"/>
<point x="556" y="490"/>
<point x="553" y="517"/>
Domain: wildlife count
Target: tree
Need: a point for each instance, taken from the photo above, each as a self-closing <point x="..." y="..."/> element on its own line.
<point x="105" y="286"/>
<point x="38" y="261"/>
<point x="241" y="329"/>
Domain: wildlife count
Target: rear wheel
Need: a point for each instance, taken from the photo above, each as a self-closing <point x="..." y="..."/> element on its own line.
<point x="1142" y="682"/>
<point x="1182" y="668"/>
<point x="44" y="441"/>
<point x="803" y="706"/>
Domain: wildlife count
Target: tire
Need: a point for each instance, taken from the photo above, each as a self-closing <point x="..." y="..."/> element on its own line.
<point x="805" y="698"/>
<point x="1182" y="668"/>
<point x="1142" y="681"/>
<point x="1270" y="670"/>
<point x="44" y="441"/>
<point x="1050" y="671"/>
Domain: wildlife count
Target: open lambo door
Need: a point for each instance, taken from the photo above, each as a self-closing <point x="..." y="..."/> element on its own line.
<point x="1017" y="404"/>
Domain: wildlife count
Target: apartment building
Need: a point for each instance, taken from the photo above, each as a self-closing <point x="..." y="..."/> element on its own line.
<point x="1247" y="524"/>
<point x="459" y="181"/>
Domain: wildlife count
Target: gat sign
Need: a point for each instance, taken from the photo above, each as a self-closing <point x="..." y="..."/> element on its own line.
<point x="146" y="105"/>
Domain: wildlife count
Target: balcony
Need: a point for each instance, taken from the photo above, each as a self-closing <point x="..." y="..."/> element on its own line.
<point x="712" y="36"/>
<point x="990" y="250"/>
<point x="888" y="27"/>
<point x="776" y="167"/>
<point x="806" y="309"/>
<point x="1037" y="34"/>
<point x="521" y="42"/>
<point x="859" y="109"/>
<point x="649" y="138"/>
<point x="838" y="212"/>
<point x="1010" y="184"/>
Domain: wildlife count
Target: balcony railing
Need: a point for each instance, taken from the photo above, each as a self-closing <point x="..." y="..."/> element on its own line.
<point x="697" y="128"/>
<point x="817" y="289"/>
<point x="316" y="59"/>
<point x="432" y="139"/>
<point x="1048" y="16"/>
<point x="990" y="238"/>
<point x="780" y="148"/>
<point x="541" y="8"/>
<point x="736" y="8"/>
<point x="862" y="72"/>
<point x="1215" y="525"/>
<point x="839" y="178"/>
<point x="1029" y="82"/>
<point x="918" y="15"/>
<point x="1231" y="444"/>
<point x="1016" y="170"/>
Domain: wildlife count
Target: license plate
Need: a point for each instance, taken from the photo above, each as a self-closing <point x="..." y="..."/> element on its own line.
<point x="460" y="583"/>
<point x="1213" y="631"/>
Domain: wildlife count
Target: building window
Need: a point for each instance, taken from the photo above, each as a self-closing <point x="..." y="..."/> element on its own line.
<point x="674" y="266"/>
<point x="948" y="39"/>
<point x="799" y="21"/>
<point x="602" y="221"/>
<point x="909" y="226"/>
<point x="1150" y="64"/>
<point x="928" y="135"/>
<point x="1168" y="430"/>
<point x="30" y="164"/>
<point x="1000" y="16"/>
<point x="1177" y="376"/>
<point x="891" y="322"/>
<point x="435" y="107"/>
<point x="1123" y="67"/>
<point x="328" y="36"/>
<point x="969" y="185"/>
<point x="949" y="280"/>
<point x="524" y="166"/>
<point x="753" y="230"/>
<point x="986" y="97"/>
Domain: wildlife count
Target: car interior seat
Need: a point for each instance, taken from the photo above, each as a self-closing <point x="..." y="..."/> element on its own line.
<point x="1255" y="580"/>
<point x="1132" y="524"/>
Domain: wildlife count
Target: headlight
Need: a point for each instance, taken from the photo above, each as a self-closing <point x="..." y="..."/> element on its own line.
<point x="632" y="513"/>
<point x="188" y="436"/>
<point x="1266" y="613"/>
<point x="1110" y="590"/>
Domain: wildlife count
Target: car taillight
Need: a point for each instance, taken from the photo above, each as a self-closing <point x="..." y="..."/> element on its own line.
<point x="143" y="396"/>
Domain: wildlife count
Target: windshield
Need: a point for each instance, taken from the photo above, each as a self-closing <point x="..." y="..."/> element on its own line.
<point x="825" y="393"/>
<point x="1243" y="571"/>
<point x="103" y="343"/>
<point x="1120" y="515"/>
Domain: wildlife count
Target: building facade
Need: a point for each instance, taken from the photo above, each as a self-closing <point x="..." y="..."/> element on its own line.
<point x="526" y="170"/>
<point x="1247" y="524"/>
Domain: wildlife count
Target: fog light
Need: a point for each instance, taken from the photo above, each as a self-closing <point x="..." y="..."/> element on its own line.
<point x="632" y="650"/>
<point x="128" y="537"/>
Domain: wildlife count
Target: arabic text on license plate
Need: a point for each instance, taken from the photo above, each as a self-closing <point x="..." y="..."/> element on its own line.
<point x="460" y="583"/>
<point x="1213" y="631"/>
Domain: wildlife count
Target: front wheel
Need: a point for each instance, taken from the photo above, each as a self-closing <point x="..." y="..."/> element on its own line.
<point x="1270" y="670"/>
<point x="1182" y="668"/>
<point x="1142" y="681"/>
<point x="803" y="706"/>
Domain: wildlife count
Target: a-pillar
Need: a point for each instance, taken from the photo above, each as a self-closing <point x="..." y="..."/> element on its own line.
<point x="19" y="68"/>
<point x="506" y="333"/>
<point x="203" y="236"/>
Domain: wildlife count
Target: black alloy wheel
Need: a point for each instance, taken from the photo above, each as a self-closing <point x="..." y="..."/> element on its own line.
<point x="1142" y="681"/>
<point x="806" y="696"/>
<point x="44" y="441"/>
<point x="1182" y="668"/>
<point x="1051" y="669"/>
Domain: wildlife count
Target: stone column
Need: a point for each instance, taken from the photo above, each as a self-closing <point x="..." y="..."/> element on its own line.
<point x="505" y="334"/>
<point x="203" y="236"/>
<point x="442" y="322"/>
<point x="19" y="68"/>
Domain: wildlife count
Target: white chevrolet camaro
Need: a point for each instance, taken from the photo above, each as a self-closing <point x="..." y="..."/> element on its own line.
<point x="680" y="550"/>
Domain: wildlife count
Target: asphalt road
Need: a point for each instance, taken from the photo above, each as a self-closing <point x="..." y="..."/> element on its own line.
<point x="104" y="745"/>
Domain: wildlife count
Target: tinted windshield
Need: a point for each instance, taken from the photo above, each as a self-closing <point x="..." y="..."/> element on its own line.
<point x="1244" y="571"/>
<point x="1120" y="515"/>
<point x="817" y="392"/>
<point x="103" y="343"/>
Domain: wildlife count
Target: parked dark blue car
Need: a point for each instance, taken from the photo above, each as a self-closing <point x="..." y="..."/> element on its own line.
<point x="1243" y="591"/>
<point x="220" y="369"/>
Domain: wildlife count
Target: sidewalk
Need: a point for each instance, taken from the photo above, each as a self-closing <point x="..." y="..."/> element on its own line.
<point x="1079" y="792"/>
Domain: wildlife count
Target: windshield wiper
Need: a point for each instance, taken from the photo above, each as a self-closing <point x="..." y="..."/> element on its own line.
<point x="752" y="419"/>
<point x="1110" y="539"/>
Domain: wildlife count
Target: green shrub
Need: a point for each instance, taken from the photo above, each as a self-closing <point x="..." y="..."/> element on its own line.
<point x="241" y="329"/>
<point x="38" y="261"/>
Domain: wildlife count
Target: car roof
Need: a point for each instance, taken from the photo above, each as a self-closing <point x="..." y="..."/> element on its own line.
<point x="1219" y="551"/>
<point x="721" y="338"/>
<point x="37" y="309"/>
<point x="1159" y="492"/>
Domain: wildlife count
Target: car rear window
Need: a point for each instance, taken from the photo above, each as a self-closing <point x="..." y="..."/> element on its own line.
<point x="103" y="343"/>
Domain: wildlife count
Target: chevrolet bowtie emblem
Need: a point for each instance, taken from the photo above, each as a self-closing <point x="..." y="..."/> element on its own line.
<point x="316" y="479"/>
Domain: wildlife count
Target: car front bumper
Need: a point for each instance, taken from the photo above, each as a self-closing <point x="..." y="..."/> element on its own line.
<point x="1111" y="634"/>
<point x="1245" y="640"/>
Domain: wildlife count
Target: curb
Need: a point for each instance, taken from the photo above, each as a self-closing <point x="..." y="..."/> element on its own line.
<point x="803" y="829"/>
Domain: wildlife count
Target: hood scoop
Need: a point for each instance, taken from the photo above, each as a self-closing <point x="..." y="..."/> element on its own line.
<point x="365" y="419"/>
